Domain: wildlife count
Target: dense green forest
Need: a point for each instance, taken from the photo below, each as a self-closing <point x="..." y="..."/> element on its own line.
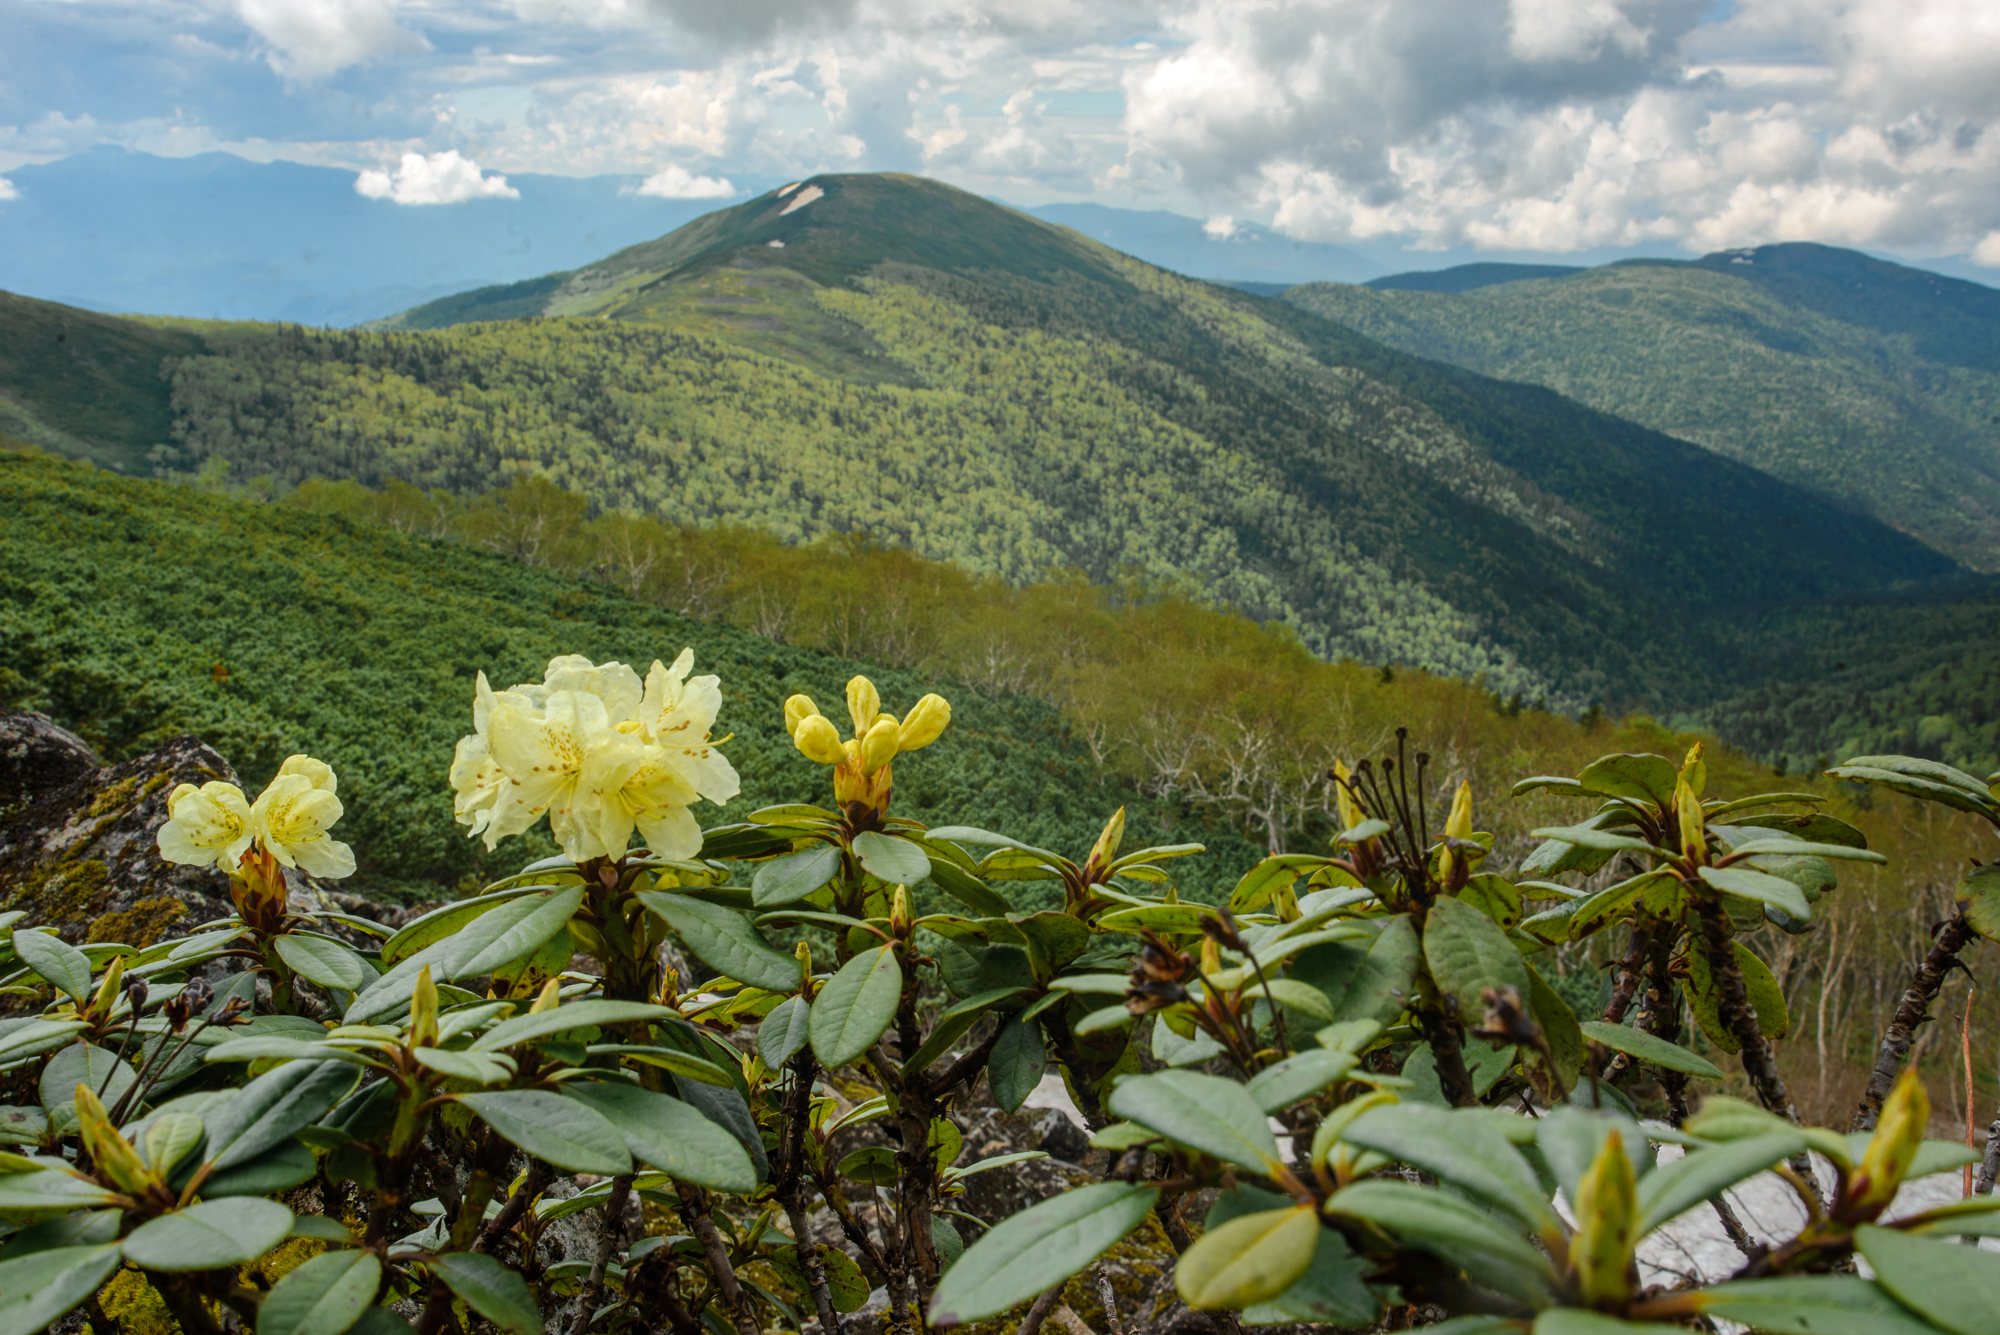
<point x="1867" y="381"/>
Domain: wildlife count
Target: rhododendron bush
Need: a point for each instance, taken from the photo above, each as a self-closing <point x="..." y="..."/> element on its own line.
<point x="1349" y="1095"/>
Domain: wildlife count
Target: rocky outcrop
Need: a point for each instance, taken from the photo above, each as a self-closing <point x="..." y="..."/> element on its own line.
<point x="77" y="837"/>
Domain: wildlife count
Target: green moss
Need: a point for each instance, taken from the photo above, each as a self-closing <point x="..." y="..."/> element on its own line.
<point x="60" y="894"/>
<point x="141" y="925"/>
<point x="135" y="1307"/>
<point x="113" y="796"/>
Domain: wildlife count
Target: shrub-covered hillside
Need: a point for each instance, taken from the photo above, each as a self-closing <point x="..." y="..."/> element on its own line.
<point x="133" y="611"/>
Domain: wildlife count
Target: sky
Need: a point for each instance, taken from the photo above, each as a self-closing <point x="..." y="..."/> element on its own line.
<point x="1501" y="126"/>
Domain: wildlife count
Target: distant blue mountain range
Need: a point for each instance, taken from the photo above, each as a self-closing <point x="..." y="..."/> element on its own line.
<point x="218" y="236"/>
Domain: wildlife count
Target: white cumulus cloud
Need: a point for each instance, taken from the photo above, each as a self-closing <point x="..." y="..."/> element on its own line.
<point x="434" y="178"/>
<point x="7" y="190"/>
<point x="677" y="182"/>
<point x="311" y="39"/>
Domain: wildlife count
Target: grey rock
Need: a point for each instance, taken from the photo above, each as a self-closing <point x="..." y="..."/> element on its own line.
<point x="78" y="845"/>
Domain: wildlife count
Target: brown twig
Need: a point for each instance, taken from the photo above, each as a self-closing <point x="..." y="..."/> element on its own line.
<point x="1108" y="1295"/>
<point x="1914" y="1010"/>
<point x="695" y="1211"/>
<point x="607" y="1246"/>
<point x="1039" y="1310"/>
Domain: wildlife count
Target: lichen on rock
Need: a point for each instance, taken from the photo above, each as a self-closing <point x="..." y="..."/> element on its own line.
<point x="78" y="844"/>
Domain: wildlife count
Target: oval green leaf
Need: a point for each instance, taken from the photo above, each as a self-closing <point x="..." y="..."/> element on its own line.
<point x="324" y="1296"/>
<point x="1203" y="1112"/>
<point x="1038" y="1248"/>
<point x="560" y="1131"/>
<point x="1249" y="1260"/>
<point x="670" y="1135"/>
<point x="490" y="1289"/>
<point x="897" y="861"/>
<point x="1650" y="1048"/>
<point x="725" y="939"/>
<point x="855" y="1007"/>
<point x="788" y="879"/>
<point x="209" y="1235"/>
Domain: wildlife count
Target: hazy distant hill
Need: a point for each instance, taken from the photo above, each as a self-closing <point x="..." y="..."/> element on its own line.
<point x="1877" y="385"/>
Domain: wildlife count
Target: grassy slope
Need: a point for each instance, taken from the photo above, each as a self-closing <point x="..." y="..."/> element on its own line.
<point x="86" y="385"/>
<point x="993" y="390"/>
<point x="1871" y="383"/>
<point x="283" y="631"/>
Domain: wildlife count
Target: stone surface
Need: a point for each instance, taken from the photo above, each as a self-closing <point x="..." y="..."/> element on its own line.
<point x="78" y="844"/>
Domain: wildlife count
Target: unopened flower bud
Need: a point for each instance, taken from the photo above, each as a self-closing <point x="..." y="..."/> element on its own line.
<point x="817" y="741"/>
<point x="864" y="702"/>
<point x="926" y="722"/>
<point x="135" y="992"/>
<point x="797" y="710"/>
<point x="878" y="747"/>
<point x="197" y="994"/>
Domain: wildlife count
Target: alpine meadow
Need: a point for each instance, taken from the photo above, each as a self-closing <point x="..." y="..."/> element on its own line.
<point x="875" y="764"/>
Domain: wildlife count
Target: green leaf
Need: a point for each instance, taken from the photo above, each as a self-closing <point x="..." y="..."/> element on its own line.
<point x="783" y="1031"/>
<point x="479" y="1068"/>
<point x="389" y="995"/>
<point x="1554" y="783"/>
<point x="856" y="1006"/>
<point x="1108" y="1017"/>
<point x="725" y="940"/>
<point x="1951" y="1286"/>
<point x="1362" y="984"/>
<point x="1766" y="998"/>
<point x="1203" y="1112"/>
<point x="1333" y="1290"/>
<point x="1496" y="897"/>
<point x="324" y="1296"/>
<point x="955" y="1022"/>
<point x="1570" y="1139"/>
<point x="791" y="878"/>
<point x="1158" y="918"/>
<point x="1249" y="1260"/>
<point x="1278" y="1087"/>
<point x="1799" y="848"/>
<point x="1461" y="1148"/>
<point x="440" y="924"/>
<point x="897" y="861"/>
<point x="270" y="1109"/>
<point x="1559" y="1030"/>
<point x="53" y="1191"/>
<point x="575" y="1015"/>
<point x="1468" y="953"/>
<point x="1302" y="998"/>
<point x="1675" y="1188"/>
<point x="55" y="960"/>
<point x="281" y="1049"/>
<point x="1911" y="785"/>
<point x="1810" y="1305"/>
<point x="1645" y="779"/>
<point x="82" y="1064"/>
<point x="1779" y="893"/>
<point x="490" y="1289"/>
<point x="36" y="1289"/>
<point x="968" y="889"/>
<point x="1577" y="1321"/>
<point x="561" y="1131"/>
<point x="1016" y="1063"/>
<point x="279" y="1168"/>
<point x="1039" y="1248"/>
<point x="1588" y="916"/>
<point x="1932" y="771"/>
<point x="874" y="1165"/>
<point x="1602" y="841"/>
<point x="511" y="932"/>
<point x="209" y="1235"/>
<point x="1979" y="892"/>
<point x="1453" y="1230"/>
<point x="1648" y="1048"/>
<point x="327" y="963"/>
<point x="670" y="1135"/>
<point x="38" y="1036"/>
<point x="699" y="1069"/>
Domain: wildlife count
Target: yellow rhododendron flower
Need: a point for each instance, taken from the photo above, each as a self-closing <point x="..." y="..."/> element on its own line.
<point x="291" y="818"/>
<point x="862" y="763"/>
<point x="209" y="824"/>
<point x="597" y="751"/>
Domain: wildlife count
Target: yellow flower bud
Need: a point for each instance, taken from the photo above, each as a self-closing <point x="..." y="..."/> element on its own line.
<point x="424" y="1010"/>
<point x="1106" y="847"/>
<point x="1891" y="1149"/>
<point x="899" y="911"/>
<point x="818" y="741"/>
<point x="878" y="748"/>
<point x="1694" y="770"/>
<point x="864" y="702"/>
<point x="1350" y="810"/>
<point x="549" y="998"/>
<point x="1459" y="824"/>
<point x="926" y="721"/>
<point x="1694" y="829"/>
<point x="797" y="710"/>
<point x="1607" y="1213"/>
<point x="113" y="1155"/>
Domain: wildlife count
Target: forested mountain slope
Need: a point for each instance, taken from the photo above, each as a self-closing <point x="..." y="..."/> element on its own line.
<point x="890" y="354"/>
<point x="1872" y="383"/>
<point x="133" y="611"/>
